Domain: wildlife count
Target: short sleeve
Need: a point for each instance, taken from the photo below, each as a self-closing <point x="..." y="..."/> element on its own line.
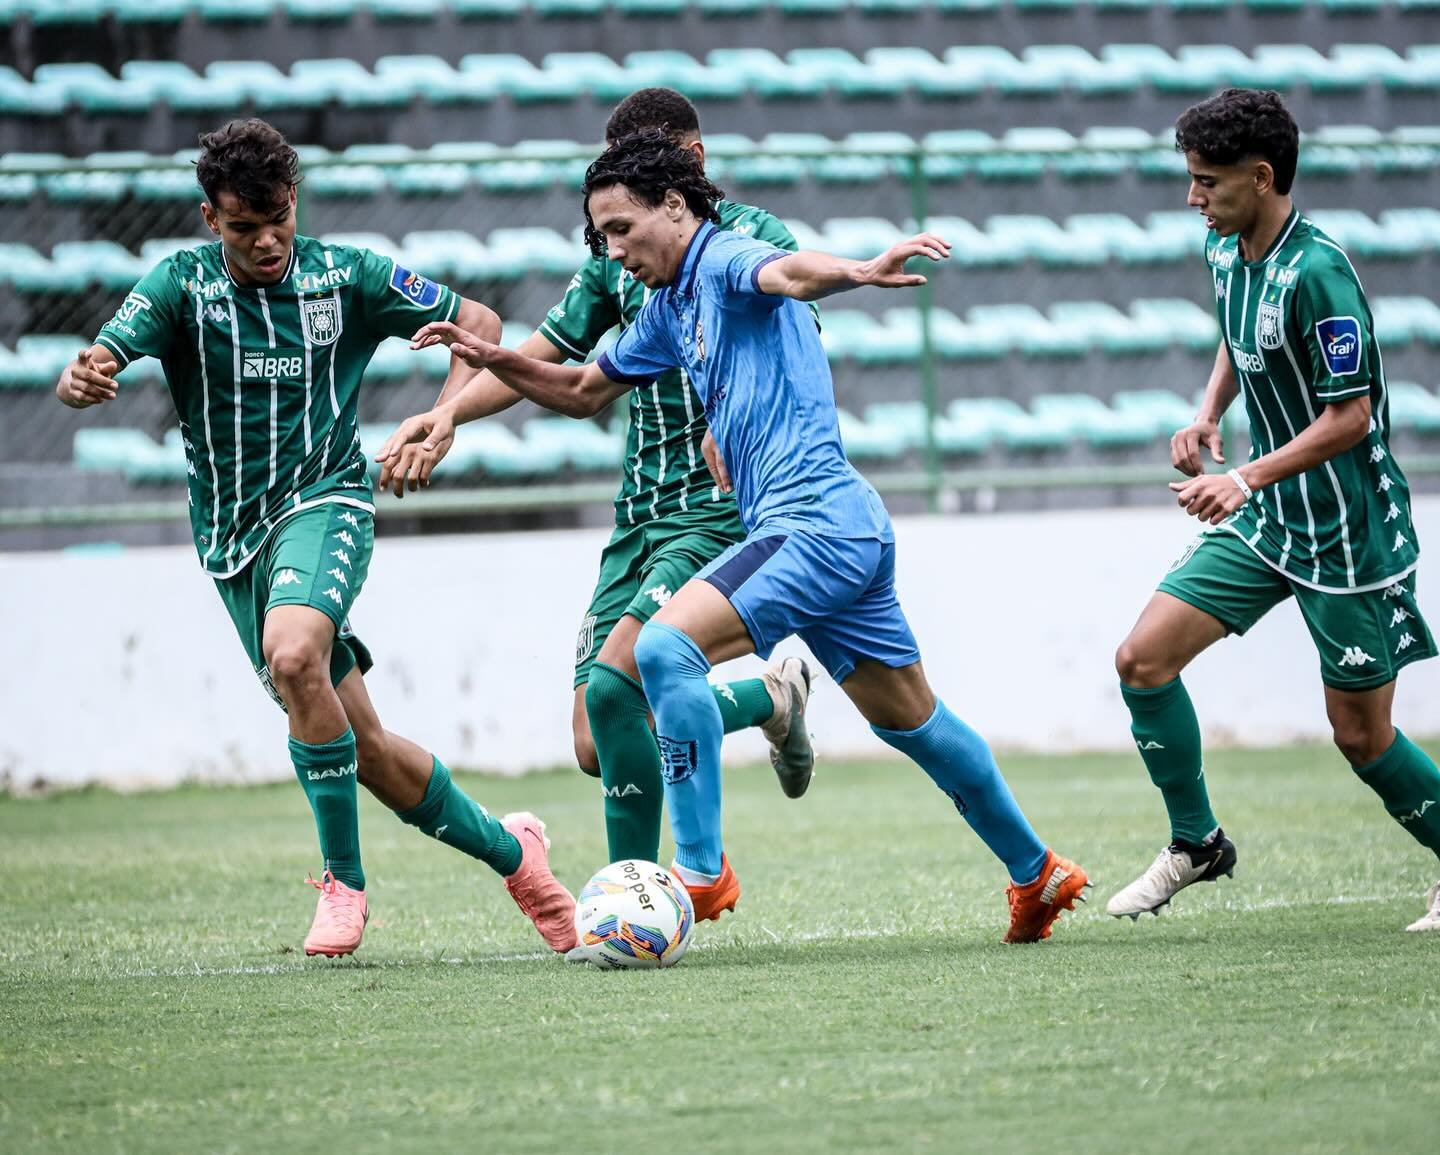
<point x="741" y="269"/>
<point x="772" y="229"/>
<point x="645" y="349"/>
<point x="397" y="301"/>
<point x="589" y="310"/>
<point x="147" y="321"/>
<point x="1335" y="320"/>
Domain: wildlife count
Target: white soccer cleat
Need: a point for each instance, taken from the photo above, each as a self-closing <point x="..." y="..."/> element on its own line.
<point x="1430" y="920"/>
<point x="791" y="754"/>
<point x="1174" y="869"/>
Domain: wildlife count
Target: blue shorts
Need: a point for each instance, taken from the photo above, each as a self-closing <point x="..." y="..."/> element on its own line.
<point x="837" y="594"/>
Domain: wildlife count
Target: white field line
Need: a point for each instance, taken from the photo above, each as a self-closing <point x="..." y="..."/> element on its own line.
<point x="300" y="967"/>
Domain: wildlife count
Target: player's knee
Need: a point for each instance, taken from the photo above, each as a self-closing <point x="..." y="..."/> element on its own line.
<point x="655" y="654"/>
<point x="295" y="665"/>
<point x="585" y="755"/>
<point x="1140" y="668"/>
<point x="1359" y="742"/>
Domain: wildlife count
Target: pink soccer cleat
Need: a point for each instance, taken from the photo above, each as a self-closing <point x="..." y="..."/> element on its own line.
<point x="340" y="918"/>
<point x="536" y="891"/>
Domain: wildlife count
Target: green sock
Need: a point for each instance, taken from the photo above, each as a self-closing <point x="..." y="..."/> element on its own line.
<point x="450" y="815"/>
<point x="629" y="763"/>
<point x="1409" y="785"/>
<point x="327" y="774"/>
<point x="1168" y="734"/>
<point x="743" y="704"/>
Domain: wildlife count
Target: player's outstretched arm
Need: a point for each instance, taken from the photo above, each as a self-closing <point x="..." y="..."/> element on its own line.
<point x="808" y="276"/>
<point x="574" y="390"/>
<point x="1220" y="393"/>
<point x="89" y="379"/>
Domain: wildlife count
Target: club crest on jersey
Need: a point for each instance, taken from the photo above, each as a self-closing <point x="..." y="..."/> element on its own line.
<point x="1269" y="326"/>
<point x="321" y="320"/>
<point x="414" y="288"/>
<point x="1339" y="339"/>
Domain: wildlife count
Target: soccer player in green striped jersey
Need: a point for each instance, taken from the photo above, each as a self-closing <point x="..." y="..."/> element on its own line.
<point x="1320" y="512"/>
<point x="264" y="337"/>
<point x="670" y="520"/>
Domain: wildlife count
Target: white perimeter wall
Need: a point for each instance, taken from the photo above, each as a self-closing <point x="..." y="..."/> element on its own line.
<point x="124" y="668"/>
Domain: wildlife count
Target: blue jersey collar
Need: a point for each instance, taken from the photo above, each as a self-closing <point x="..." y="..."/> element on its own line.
<point x="690" y="262"/>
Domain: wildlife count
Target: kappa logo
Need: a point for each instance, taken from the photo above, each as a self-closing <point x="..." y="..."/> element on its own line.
<point x="272" y="364"/>
<point x="339" y="575"/>
<point x="621" y="791"/>
<point x="1354" y="656"/>
<point x="439" y="830"/>
<point x="331" y="772"/>
<point x="1377" y="454"/>
<point x="1400" y="540"/>
<point x="1269" y="326"/>
<point x="341" y="555"/>
<point x="724" y="690"/>
<point x="218" y="315"/>
<point x="1407" y="640"/>
<point x="344" y="535"/>
<point x="1416" y="814"/>
<point x="351" y="520"/>
<point x="1395" y="591"/>
<point x="286" y="577"/>
<point x="335" y="596"/>
<point x="321" y="320"/>
<point x="1401" y="615"/>
<point x="659" y="594"/>
<point x="1390" y="515"/>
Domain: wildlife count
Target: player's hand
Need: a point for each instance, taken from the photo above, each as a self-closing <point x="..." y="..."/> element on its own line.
<point x="87" y="380"/>
<point x="715" y="463"/>
<point x="888" y="269"/>
<point x="1212" y="497"/>
<point x="416" y="447"/>
<point x="465" y="345"/>
<point x="1185" y="447"/>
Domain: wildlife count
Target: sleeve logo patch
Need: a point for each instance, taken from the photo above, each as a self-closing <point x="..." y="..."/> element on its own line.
<point x="414" y="288"/>
<point x="1339" y="339"/>
<point x="133" y="306"/>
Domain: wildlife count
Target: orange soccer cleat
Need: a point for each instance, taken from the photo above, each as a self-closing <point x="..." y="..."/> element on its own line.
<point x="1035" y="906"/>
<point x="721" y="895"/>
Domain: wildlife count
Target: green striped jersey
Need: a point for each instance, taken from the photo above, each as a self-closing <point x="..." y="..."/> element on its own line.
<point x="664" y="471"/>
<point x="266" y="380"/>
<point x="1300" y="336"/>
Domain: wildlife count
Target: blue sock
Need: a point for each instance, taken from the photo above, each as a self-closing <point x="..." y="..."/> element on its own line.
<point x="689" y="728"/>
<point x="961" y="764"/>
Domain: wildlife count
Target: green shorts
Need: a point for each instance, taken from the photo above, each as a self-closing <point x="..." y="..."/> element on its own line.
<point x="1364" y="639"/>
<point x="643" y="565"/>
<point x="319" y="558"/>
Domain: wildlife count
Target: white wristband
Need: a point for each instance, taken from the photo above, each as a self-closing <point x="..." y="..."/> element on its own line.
<point x="1234" y="475"/>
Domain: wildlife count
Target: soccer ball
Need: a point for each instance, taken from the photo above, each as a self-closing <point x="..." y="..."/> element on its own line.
<point x="634" y="914"/>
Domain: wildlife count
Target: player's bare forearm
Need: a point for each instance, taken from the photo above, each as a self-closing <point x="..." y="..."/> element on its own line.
<point x="480" y="320"/>
<point x="808" y="276"/>
<point x="1221" y="390"/>
<point x="482" y="394"/>
<point x="1339" y="427"/>
<point x="574" y="390"/>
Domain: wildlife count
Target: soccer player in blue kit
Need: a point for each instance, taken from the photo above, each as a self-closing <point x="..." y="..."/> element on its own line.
<point x="819" y="558"/>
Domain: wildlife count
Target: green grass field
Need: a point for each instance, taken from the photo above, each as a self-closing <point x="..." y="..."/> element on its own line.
<point x="153" y="997"/>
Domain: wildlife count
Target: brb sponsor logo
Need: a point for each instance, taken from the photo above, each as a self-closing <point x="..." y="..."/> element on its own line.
<point x="272" y="364"/>
<point x="1339" y="339"/>
<point x="1246" y="361"/>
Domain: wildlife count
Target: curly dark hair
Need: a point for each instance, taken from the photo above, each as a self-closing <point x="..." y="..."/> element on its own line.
<point x="250" y="159"/>
<point x="654" y="108"/>
<point x="1240" y="123"/>
<point x="649" y="164"/>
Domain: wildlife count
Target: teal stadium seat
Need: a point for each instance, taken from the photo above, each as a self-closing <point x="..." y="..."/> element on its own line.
<point x="921" y="71"/>
<point x="765" y="73"/>
<point x="997" y="68"/>
<point x="1015" y="429"/>
<point x="844" y="73"/>
<point x="1077" y="70"/>
<point x="859" y="238"/>
<point x="90" y="87"/>
<point x="435" y="82"/>
<point x="973" y="247"/>
<point x="346" y="82"/>
<point x="1046" y="242"/>
<point x="1190" y="326"/>
<point x="583" y="445"/>
<point x="266" y="86"/>
<point x="112" y="449"/>
<point x="520" y="80"/>
<point x="1094" y="422"/>
<point x="1413" y="407"/>
<point x="679" y="70"/>
<point x="19" y="97"/>
<point x="866" y="442"/>
<point x="177" y="85"/>
<point x="534" y="249"/>
<point x="102" y="263"/>
<point x="1166" y="411"/>
<point x="1108" y="329"/>
<point x="236" y="11"/>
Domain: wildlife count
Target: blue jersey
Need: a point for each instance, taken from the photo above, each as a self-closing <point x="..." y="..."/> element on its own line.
<point x="756" y="363"/>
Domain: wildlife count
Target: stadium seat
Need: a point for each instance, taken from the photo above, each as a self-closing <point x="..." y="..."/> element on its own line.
<point x="1190" y="326"/>
<point x="581" y="444"/>
<point x="1165" y="411"/>
<point x="351" y="85"/>
<point x="866" y="442"/>
<point x="680" y="70"/>
<point x="90" y="87"/>
<point x="1041" y="239"/>
<point x="918" y="69"/>
<point x="1015" y="430"/>
<point x="1110" y="330"/>
<point x="519" y="79"/>
<point x="434" y="81"/>
<point x="765" y="73"/>
<point x="1094" y="422"/>
<point x="1413" y="407"/>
